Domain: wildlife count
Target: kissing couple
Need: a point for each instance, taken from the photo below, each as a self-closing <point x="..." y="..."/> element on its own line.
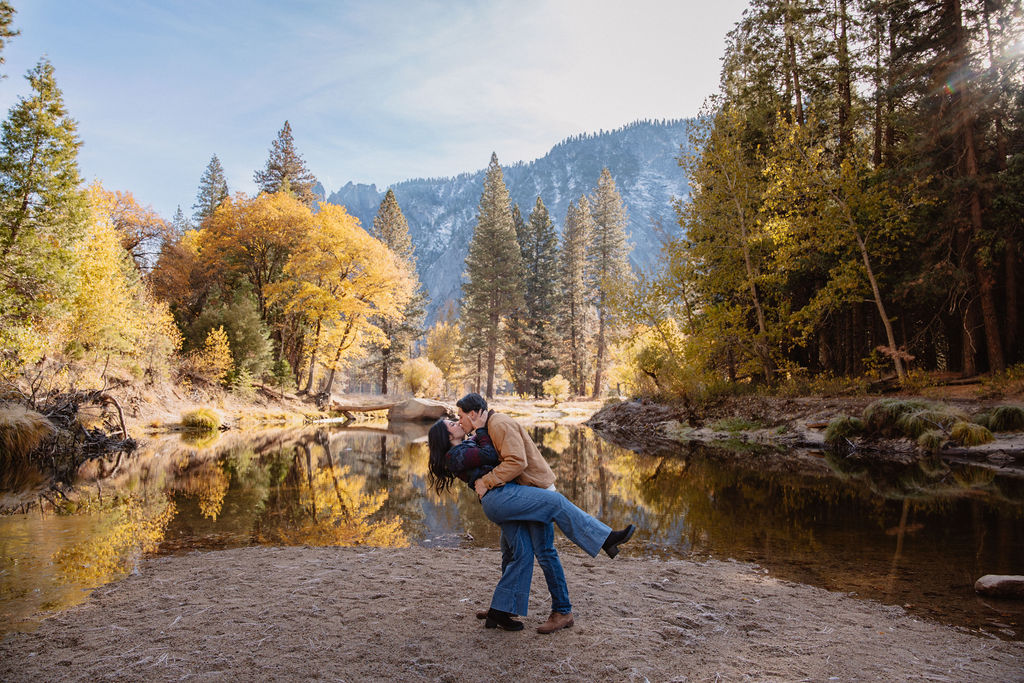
<point x="496" y="457"/>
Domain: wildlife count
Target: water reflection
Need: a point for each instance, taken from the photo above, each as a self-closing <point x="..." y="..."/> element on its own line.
<point x="916" y="535"/>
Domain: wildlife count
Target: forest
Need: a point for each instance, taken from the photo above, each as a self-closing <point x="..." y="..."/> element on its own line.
<point x="855" y="215"/>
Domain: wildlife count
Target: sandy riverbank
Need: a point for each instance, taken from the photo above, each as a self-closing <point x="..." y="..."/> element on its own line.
<point x="400" y="614"/>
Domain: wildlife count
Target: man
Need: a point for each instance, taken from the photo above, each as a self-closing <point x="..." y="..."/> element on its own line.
<point x="522" y="463"/>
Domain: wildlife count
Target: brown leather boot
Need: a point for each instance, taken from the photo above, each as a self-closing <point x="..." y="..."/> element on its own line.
<point x="556" y="622"/>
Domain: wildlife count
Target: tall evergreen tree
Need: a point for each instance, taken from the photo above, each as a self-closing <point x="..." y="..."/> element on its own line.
<point x="213" y="189"/>
<point x="532" y="347"/>
<point x="607" y="257"/>
<point x="574" y="308"/>
<point x="494" y="270"/>
<point x="391" y="228"/>
<point x="43" y="209"/>
<point x="6" y="32"/>
<point x="286" y="170"/>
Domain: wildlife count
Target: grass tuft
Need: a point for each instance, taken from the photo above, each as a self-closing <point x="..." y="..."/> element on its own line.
<point x="932" y="440"/>
<point x="842" y="427"/>
<point x="21" y="430"/>
<point x="1006" y="419"/>
<point x="203" y="419"/>
<point x="734" y="425"/>
<point x="915" y="423"/>
<point x="970" y="434"/>
<point x="882" y="416"/>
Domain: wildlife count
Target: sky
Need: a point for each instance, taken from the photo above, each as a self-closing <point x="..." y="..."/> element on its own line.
<point x="376" y="91"/>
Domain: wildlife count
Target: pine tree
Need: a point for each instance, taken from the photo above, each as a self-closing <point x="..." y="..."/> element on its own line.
<point x="180" y="224"/>
<point x="574" y="308"/>
<point x="213" y="189"/>
<point x="6" y="32"/>
<point x="532" y="347"/>
<point x="391" y="228"/>
<point x="493" y="289"/>
<point x="286" y="170"/>
<point x="43" y="210"/>
<point x="607" y="257"/>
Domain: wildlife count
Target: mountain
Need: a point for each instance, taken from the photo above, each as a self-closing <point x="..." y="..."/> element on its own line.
<point x="643" y="160"/>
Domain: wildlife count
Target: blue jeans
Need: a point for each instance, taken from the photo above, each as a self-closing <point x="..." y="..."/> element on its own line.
<point x="515" y="503"/>
<point x="512" y="594"/>
<point x="542" y="537"/>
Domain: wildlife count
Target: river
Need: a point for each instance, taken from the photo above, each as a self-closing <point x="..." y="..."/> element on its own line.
<point x="917" y="536"/>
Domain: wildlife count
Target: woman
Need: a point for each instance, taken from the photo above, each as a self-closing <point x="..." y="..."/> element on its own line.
<point x="524" y="514"/>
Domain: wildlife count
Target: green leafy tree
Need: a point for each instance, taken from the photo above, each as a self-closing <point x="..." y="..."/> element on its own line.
<point x="608" y="264"/>
<point x="494" y="272"/>
<point x="43" y="213"/>
<point x="213" y="190"/>
<point x="391" y="228"/>
<point x="285" y="170"/>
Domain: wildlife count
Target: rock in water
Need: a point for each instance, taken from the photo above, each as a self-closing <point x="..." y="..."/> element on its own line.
<point x="418" y="409"/>
<point x="1000" y="586"/>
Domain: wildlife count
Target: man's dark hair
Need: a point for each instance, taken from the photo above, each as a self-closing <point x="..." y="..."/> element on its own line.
<point x="472" y="401"/>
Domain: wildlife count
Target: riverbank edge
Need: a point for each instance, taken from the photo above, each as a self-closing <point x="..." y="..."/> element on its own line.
<point x="790" y="427"/>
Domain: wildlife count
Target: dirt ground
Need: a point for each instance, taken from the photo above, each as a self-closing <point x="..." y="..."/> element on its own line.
<point x="408" y="614"/>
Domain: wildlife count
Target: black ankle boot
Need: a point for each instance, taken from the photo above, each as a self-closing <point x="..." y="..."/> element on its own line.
<point x="503" y="620"/>
<point x="617" y="538"/>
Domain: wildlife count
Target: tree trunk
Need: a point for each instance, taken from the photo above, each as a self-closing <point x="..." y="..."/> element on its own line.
<point x="890" y="336"/>
<point x="312" y="359"/>
<point x="384" y="375"/>
<point x="599" y="361"/>
<point x="845" y="93"/>
<point x="1012" y="325"/>
<point x="965" y="121"/>
<point x="969" y="347"/>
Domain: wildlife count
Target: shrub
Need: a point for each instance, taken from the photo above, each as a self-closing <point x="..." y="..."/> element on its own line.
<point x="201" y="420"/>
<point x="843" y="427"/>
<point x="1006" y="419"/>
<point x="422" y="377"/>
<point x="556" y="388"/>
<point x="970" y="434"/>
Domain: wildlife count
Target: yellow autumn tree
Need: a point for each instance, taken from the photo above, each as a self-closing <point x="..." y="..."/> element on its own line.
<point x="341" y="281"/>
<point x="253" y="239"/>
<point x="112" y="311"/>
<point x="214" y="362"/>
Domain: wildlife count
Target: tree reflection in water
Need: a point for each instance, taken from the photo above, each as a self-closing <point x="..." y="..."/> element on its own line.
<point x="912" y="534"/>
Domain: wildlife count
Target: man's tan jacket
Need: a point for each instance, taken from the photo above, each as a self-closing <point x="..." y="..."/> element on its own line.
<point x="521" y="461"/>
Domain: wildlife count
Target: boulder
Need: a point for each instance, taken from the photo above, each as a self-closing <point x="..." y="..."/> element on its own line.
<point x="1000" y="586"/>
<point x="416" y="409"/>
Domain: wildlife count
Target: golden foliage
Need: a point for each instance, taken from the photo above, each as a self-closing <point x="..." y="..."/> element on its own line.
<point x="214" y="361"/>
<point x="422" y="377"/>
<point x="339" y="512"/>
<point x="112" y="310"/>
<point x="556" y="388"/>
<point x="131" y="529"/>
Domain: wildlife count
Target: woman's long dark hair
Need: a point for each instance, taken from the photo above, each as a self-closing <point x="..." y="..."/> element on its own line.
<point x="439" y="441"/>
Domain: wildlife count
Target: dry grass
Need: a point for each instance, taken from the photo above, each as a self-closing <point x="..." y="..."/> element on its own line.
<point x="201" y="419"/>
<point x="970" y="434"/>
<point x="21" y="432"/>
